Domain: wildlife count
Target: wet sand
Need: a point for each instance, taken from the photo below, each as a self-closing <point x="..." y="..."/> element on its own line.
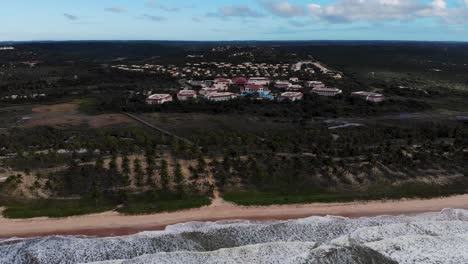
<point x="115" y="224"/>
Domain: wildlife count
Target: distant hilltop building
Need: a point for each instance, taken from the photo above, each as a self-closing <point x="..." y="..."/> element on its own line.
<point x="292" y="96"/>
<point x="327" y="91"/>
<point x="7" y="48"/>
<point x="185" y="95"/>
<point x="158" y="99"/>
<point x="369" y="96"/>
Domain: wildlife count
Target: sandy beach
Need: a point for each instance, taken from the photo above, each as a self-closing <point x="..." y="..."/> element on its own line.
<point x="115" y="224"/>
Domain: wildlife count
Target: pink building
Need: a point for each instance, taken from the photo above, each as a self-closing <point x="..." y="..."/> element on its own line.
<point x="185" y="95"/>
<point x="327" y="91"/>
<point x="158" y="99"/>
<point x="293" y="96"/>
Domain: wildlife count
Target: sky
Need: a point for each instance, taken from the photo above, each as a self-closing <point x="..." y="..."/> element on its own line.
<point x="439" y="20"/>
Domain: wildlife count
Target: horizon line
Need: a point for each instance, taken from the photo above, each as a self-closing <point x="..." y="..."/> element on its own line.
<point x="252" y="40"/>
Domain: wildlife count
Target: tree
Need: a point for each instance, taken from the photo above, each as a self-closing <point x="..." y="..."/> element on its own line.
<point x="150" y="161"/>
<point x="179" y="179"/>
<point x="126" y="170"/>
<point x="139" y="174"/>
<point x="164" y="173"/>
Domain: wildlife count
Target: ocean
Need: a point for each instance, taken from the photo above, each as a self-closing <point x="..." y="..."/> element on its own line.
<point x="424" y="238"/>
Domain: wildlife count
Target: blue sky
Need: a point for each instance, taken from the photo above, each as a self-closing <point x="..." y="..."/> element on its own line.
<point x="234" y="20"/>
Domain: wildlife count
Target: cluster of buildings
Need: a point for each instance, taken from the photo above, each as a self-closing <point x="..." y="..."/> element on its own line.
<point x="213" y="69"/>
<point x="218" y="90"/>
<point x="7" y="48"/>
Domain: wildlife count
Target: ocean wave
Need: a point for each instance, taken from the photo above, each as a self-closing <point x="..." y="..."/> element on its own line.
<point x="383" y="239"/>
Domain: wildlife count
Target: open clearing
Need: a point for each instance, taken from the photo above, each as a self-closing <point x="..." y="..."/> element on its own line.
<point x="67" y="114"/>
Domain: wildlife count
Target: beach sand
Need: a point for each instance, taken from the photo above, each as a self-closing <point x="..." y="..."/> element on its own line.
<point x="115" y="224"/>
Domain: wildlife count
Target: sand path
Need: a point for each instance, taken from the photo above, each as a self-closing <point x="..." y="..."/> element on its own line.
<point x="115" y="224"/>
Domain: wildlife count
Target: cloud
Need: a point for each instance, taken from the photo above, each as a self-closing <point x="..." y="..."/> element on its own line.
<point x="155" y="5"/>
<point x="345" y="11"/>
<point x="197" y="19"/>
<point x="235" y="11"/>
<point x="115" y="9"/>
<point x="71" y="17"/>
<point x="282" y="8"/>
<point x="153" y="18"/>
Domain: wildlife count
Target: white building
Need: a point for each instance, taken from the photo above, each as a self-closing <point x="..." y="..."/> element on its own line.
<point x="259" y="81"/>
<point x="327" y="91"/>
<point x="293" y="96"/>
<point x="185" y="95"/>
<point x="369" y="96"/>
<point x="295" y="87"/>
<point x="251" y="88"/>
<point x="208" y="90"/>
<point x="315" y="84"/>
<point x="282" y="84"/>
<point x="158" y="99"/>
<point x="220" y="97"/>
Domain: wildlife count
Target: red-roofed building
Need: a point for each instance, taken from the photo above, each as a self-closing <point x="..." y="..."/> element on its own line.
<point x="239" y="81"/>
<point x="222" y="84"/>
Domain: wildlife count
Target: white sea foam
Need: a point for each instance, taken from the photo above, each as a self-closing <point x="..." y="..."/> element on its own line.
<point x="425" y="238"/>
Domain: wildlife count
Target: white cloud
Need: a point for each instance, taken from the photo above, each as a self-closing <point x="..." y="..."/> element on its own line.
<point x="115" y="9"/>
<point x="236" y="11"/>
<point x="283" y="8"/>
<point x="343" y="11"/>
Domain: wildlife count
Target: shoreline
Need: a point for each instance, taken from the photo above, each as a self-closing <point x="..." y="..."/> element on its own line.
<point x="112" y="224"/>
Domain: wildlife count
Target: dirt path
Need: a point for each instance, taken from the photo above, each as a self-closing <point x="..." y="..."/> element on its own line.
<point x="114" y="224"/>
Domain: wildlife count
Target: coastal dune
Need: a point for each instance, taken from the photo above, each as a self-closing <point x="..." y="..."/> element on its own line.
<point x="115" y="224"/>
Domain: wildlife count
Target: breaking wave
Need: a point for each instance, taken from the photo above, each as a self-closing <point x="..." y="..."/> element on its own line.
<point x="425" y="238"/>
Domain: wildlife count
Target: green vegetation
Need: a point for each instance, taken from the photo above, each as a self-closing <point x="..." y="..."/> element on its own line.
<point x="54" y="208"/>
<point x="254" y="152"/>
<point x="379" y="192"/>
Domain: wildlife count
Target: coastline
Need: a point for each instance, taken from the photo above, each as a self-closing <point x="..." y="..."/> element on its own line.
<point x="114" y="224"/>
